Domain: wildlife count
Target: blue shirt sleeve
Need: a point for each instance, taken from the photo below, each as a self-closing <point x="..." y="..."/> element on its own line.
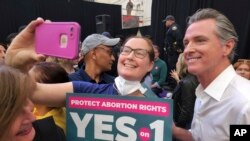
<point x="87" y="87"/>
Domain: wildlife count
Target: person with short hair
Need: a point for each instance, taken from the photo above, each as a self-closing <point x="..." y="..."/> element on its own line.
<point x="222" y="97"/>
<point x="173" y="46"/>
<point x="98" y="59"/>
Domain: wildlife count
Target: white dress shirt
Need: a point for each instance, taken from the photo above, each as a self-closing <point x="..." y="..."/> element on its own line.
<point x="226" y="101"/>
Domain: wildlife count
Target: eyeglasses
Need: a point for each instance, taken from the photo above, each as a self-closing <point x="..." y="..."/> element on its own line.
<point x="109" y="51"/>
<point x="139" y="53"/>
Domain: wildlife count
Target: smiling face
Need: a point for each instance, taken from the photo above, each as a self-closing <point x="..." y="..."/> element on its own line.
<point x="22" y="128"/>
<point x="205" y="55"/>
<point x="131" y="67"/>
<point x="16" y="108"/>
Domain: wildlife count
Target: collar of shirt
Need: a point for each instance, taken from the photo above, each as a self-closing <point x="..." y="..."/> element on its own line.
<point x="217" y="87"/>
<point x="86" y="77"/>
<point x="104" y="78"/>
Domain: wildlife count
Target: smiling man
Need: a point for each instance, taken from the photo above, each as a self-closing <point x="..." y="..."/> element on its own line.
<point x="223" y="96"/>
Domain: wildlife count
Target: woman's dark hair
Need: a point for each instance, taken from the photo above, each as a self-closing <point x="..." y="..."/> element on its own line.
<point x="4" y="45"/>
<point x="150" y="43"/>
<point x="49" y="72"/>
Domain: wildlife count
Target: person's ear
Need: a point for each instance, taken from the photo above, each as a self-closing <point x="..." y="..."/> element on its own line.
<point x="229" y="46"/>
<point x="93" y="55"/>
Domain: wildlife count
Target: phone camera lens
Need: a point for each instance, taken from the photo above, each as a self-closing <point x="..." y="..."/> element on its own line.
<point x="71" y="29"/>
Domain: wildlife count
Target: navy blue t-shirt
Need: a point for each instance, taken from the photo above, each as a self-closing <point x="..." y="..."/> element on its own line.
<point x="81" y="75"/>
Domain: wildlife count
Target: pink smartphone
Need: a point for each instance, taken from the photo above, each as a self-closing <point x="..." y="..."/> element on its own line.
<point x="58" y="39"/>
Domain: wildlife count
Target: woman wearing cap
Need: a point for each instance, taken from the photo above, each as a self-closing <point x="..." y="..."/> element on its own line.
<point x="135" y="60"/>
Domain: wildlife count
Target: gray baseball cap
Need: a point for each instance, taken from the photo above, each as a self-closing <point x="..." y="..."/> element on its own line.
<point x="94" y="40"/>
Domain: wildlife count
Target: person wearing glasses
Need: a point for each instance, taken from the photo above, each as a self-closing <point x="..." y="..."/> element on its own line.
<point x="136" y="59"/>
<point x="242" y="67"/>
<point x="98" y="59"/>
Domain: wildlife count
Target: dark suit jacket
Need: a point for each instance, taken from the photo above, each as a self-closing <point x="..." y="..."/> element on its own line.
<point x="184" y="100"/>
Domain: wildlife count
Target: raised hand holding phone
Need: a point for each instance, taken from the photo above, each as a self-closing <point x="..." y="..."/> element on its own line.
<point x="21" y="52"/>
<point x="58" y="39"/>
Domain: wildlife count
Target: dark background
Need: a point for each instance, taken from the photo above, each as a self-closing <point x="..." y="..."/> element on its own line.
<point x="15" y="13"/>
<point x="238" y="13"/>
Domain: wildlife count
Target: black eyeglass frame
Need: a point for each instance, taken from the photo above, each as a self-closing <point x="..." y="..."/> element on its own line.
<point x="110" y="52"/>
<point x="138" y="52"/>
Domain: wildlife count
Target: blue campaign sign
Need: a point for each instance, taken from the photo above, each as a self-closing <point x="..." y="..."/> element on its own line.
<point x="121" y="118"/>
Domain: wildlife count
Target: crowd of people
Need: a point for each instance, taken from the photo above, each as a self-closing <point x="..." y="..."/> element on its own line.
<point x="209" y="95"/>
